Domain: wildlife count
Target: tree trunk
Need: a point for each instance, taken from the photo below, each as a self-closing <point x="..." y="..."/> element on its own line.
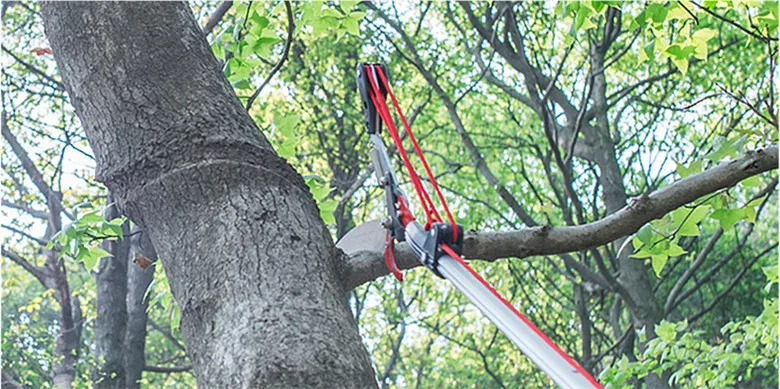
<point x="634" y="273"/>
<point x="249" y="261"/>
<point x="137" y="281"/>
<point x="111" y="320"/>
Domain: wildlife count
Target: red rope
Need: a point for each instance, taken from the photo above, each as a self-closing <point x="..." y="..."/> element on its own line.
<point x="379" y="101"/>
<point x="419" y="154"/>
<point x="384" y="113"/>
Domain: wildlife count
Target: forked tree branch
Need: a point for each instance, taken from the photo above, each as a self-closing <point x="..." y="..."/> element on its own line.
<point x="29" y="167"/>
<point x="367" y="266"/>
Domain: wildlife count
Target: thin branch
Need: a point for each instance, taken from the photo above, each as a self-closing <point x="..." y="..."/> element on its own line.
<point x="35" y="70"/>
<point x="217" y="16"/>
<point x="733" y="23"/>
<point x="37" y="272"/>
<point x="285" y="54"/>
<point x="695" y="265"/>
<point x="26" y="209"/>
<point x="40" y="241"/>
<point x="672" y="299"/>
<point x="730" y="286"/>
<point x="168" y="369"/>
<point x="167" y="334"/>
<point x="30" y="168"/>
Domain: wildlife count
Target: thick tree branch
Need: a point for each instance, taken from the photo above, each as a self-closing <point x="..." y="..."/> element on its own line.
<point x="546" y="240"/>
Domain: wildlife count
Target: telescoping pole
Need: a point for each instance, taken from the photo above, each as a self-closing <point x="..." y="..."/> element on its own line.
<point x="565" y="372"/>
<point x="436" y="249"/>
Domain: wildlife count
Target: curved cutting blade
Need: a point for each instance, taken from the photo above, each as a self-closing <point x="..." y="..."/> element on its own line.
<point x="369" y="236"/>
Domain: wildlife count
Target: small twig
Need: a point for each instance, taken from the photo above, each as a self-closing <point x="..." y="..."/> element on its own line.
<point x="733" y="23"/>
<point x="35" y="70"/>
<point x="681" y="4"/>
<point x="285" y="54"/>
<point x="166" y="369"/>
<point x="40" y="241"/>
<point x="744" y="101"/>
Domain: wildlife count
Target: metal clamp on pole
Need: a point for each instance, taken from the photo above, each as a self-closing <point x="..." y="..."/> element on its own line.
<point x="426" y="245"/>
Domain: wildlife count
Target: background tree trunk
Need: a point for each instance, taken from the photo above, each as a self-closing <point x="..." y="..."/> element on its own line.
<point x="111" y="320"/>
<point x="249" y="261"/>
<point x="137" y="281"/>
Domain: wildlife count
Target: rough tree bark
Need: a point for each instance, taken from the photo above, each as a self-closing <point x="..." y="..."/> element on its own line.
<point x="249" y="261"/>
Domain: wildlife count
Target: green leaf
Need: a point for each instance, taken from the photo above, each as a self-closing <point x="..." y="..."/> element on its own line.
<point x="347" y="5"/>
<point x="688" y="219"/>
<point x="241" y="84"/>
<point x="728" y="217"/>
<point x="90" y="262"/>
<point x="114" y="230"/>
<point x="666" y="331"/>
<point x="351" y="26"/>
<point x="357" y="15"/>
<point x="331" y="12"/>
<point x="699" y="41"/>
<point x="646" y="234"/>
<point x="723" y="147"/>
<point x="749" y="210"/>
<point x="262" y="46"/>
<point x="657" y="12"/>
<point x="327" y="217"/>
<point x="259" y="22"/>
<point x="319" y="189"/>
<point x="89" y="218"/>
<point x="678" y="12"/>
<point x="659" y="261"/>
<point x="582" y="21"/>
<point x="286" y="125"/>
<point x="675" y="250"/>
<point x="679" y="56"/>
<point x="286" y="150"/>
<point x="99" y="252"/>
<point x="694" y="167"/>
<point x="640" y="21"/>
